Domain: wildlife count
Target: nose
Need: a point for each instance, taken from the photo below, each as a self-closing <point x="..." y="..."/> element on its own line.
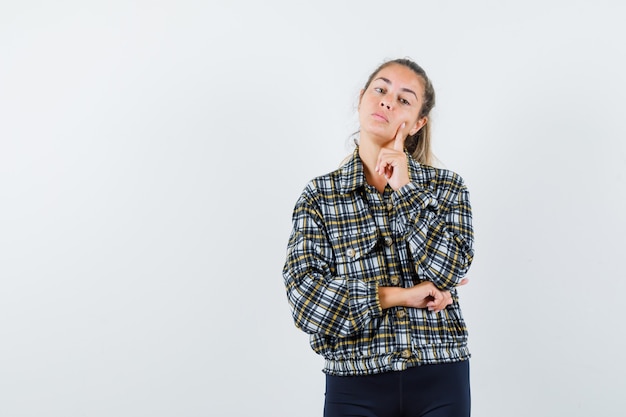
<point x="382" y="104"/>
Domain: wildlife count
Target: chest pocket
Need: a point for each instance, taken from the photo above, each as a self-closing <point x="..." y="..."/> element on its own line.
<point x="355" y="252"/>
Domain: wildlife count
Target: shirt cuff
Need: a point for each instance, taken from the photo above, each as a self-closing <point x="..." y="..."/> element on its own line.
<point x="412" y="195"/>
<point x="366" y="302"/>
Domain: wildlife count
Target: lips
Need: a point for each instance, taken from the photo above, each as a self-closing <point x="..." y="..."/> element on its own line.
<point x="380" y="117"/>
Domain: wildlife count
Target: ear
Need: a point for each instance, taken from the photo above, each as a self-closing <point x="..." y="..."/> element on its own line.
<point x="360" y="98"/>
<point x="418" y="125"/>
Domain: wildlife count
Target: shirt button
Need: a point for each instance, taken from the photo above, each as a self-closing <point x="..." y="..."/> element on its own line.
<point x="388" y="241"/>
<point x="389" y="207"/>
<point x="395" y="280"/>
<point x="350" y="253"/>
<point x="406" y="354"/>
<point x="400" y="314"/>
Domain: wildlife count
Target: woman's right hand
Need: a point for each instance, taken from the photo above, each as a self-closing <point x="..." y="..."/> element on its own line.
<point x="426" y="295"/>
<point x="422" y="295"/>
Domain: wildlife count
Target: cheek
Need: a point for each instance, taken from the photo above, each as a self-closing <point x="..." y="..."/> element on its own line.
<point x="412" y="116"/>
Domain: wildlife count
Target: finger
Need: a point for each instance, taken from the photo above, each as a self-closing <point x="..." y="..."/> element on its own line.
<point x="435" y="303"/>
<point x="380" y="163"/>
<point x="441" y="301"/>
<point x="388" y="171"/>
<point x="384" y="166"/>
<point x="398" y="144"/>
<point x="436" y="308"/>
<point x="463" y="282"/>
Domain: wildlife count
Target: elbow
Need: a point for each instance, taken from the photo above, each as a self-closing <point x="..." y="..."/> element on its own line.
<point x="451" y="276"/>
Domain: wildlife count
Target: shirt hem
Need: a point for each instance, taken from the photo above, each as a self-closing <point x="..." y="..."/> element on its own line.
<point x="394" y="361"/>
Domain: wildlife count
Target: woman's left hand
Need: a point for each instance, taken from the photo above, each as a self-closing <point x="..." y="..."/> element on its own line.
<point x="392" y="162"/>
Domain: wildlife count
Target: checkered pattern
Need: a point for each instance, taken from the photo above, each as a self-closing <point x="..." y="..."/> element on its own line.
<point x="348" y="239"/>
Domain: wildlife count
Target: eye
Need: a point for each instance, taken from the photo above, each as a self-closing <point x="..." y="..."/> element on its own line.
<point x="379" y="90"/>
<point x="404" y="101"/>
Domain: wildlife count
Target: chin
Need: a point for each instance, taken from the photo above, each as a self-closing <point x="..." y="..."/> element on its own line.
<point x="381" y="136"/>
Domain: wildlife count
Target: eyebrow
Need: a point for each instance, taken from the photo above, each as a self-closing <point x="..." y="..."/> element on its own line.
<point x="408" y="90"/>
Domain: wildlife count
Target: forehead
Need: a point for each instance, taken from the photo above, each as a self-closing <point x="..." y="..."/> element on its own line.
<point x="401" y="76"/>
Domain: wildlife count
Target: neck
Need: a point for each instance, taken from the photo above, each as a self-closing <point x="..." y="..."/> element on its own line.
<point x="368" y="152"/>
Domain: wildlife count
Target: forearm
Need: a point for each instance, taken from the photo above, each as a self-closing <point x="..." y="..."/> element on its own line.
<point x="422" y="295"/>
<point x="337" y="307"/>
<point x="322" y="301"/>
<point x="439" y="234"/>
<point x="441" y="254"/>
<point x="391" y="297"/>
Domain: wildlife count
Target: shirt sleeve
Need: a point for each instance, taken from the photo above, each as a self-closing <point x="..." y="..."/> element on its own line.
<point x="438" y="232"/>
<point x="321" y="301"/>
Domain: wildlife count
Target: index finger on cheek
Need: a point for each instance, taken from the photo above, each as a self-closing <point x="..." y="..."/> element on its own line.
<point x="398" y="145"/>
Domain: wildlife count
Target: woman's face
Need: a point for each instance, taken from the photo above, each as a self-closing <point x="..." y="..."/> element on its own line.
<point x="394" y="96"/>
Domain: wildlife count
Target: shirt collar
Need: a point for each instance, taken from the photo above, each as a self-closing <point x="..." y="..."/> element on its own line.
<point x="353" y="177"/>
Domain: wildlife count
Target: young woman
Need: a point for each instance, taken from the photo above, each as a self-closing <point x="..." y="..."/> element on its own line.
<point x="377" y="250"/>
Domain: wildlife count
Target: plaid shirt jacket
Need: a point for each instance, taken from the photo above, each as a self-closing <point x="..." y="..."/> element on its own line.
<point x="345" y="243"/>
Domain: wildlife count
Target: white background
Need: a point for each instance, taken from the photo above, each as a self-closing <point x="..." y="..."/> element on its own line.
<point x="151" y="153"/>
